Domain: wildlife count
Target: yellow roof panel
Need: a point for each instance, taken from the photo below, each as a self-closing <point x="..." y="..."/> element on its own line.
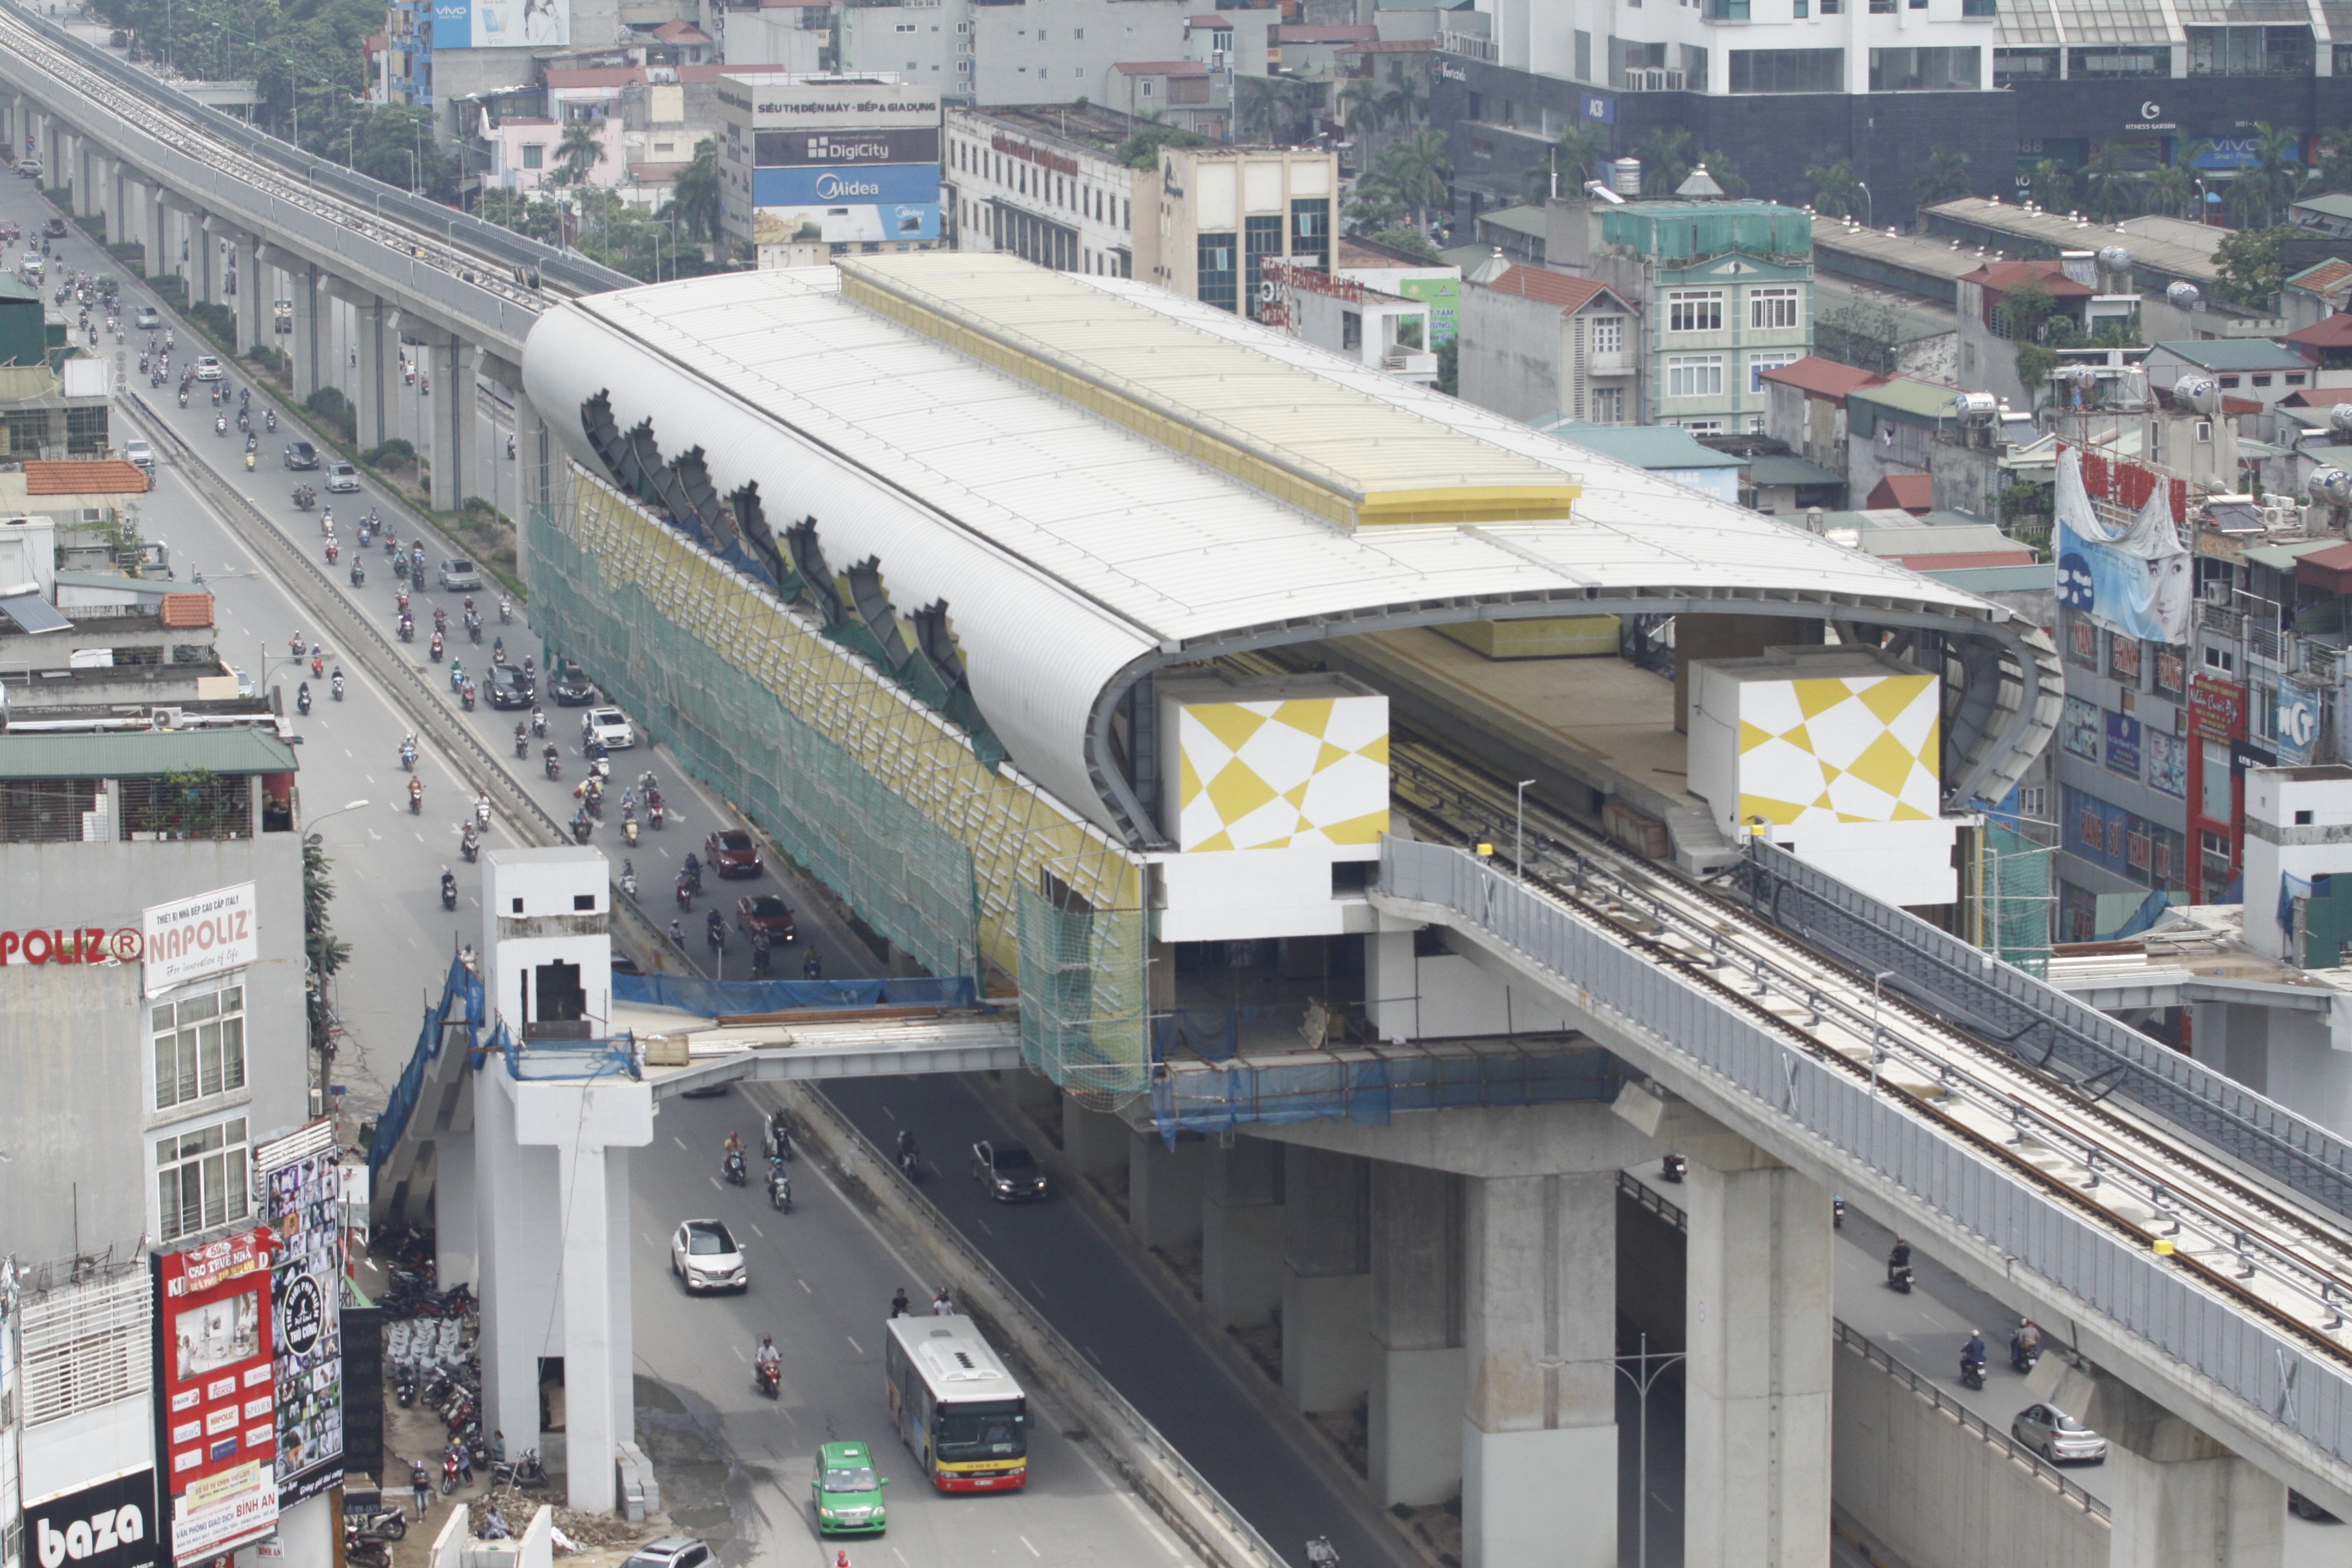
<point x="1300" y="436"/>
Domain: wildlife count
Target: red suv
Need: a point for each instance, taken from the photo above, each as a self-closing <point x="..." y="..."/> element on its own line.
<point x="764" y="912"/>
<point x="730" y="852"/>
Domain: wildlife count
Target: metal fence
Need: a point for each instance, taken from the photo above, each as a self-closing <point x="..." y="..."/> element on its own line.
<point x="1927" y="1388"/>
<point x="1857" y="1131"/>
<point x="2044" y="1025"/>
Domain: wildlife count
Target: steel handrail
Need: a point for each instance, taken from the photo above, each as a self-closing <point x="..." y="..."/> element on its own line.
<point x="1927" y="1388"/>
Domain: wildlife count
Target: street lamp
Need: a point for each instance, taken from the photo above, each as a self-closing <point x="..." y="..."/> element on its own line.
<point x="1869" y="207"/>
<point x="1649" y="1366"/>
<point x="1519" y="852"/>
<point x="353" y="806"/>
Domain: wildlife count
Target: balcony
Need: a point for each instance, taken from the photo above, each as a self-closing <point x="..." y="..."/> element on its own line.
<point x="1653" y="78"/>
<point x="1469" y="45"/>
<point x="1409" y="362"/>
<point x="1616" y="363"/>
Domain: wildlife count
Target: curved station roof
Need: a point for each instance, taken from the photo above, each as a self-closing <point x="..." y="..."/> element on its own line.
<point x="1099" y="479"/>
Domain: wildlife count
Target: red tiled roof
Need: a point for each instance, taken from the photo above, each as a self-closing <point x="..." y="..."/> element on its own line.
<point x="1161" y="67"/>
<point x="1326" y="33"/>
<point x="1564" y="289"/>
<point x="2233" y="406"/>
<point x="85" y="476"/>
<point x="1913" y="493"/>
<point x="1215" y="21"/>
<point x="1821" y="377"/>
<point x="1390" y="46"/>
<point x="2326" y="276"/>
<point x="187" y="609"/>
<point x="2330" y="569"/>
<point x="2001" y="276"/>
<point x="2335" y="332"/>
<point x="679" y="30"/>
<point x="2318" y="398"/>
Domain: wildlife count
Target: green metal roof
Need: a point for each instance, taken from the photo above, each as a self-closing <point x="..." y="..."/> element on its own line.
<point x="142" y="753"/>
<point x="1671" y="229"/>
<point x="2041" y="578"/>
<point x="2283" y="557"/>
<point x="1657" y="447"/>
<point x="2332" y="204"/>
<point x="1922" y="403"/>
<point x="2234" y="353"/>
<point x="1781" y="469"/>
<point x="1526" y="220"/>
<point x="14" y="288"/>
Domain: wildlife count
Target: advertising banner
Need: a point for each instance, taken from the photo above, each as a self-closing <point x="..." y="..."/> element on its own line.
<point x="767" y="103"/>
<point x="886" y="184"/>
<point x="2298" y="723"/>
<point x="303" y="1208"/>
<point x="216" y="1408"/>
<point x="110" y="1525"/>
<point x="191" y="938"/>
<point x="2132" y="578"/>
<point x="501" y="23"/>
<point x="840" y="149"/>
<point x="781" y="225"/>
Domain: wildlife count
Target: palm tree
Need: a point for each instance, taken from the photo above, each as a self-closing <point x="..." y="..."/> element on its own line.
<point x="1836" y="191"/>
<point x="694" y="195"/>
<point x="1663" y="166"/>
<point x="1362" y="108"/>
<point x="1403" y="103"/>
<point x="1266" y="105"/>
<point x="2274" y="172"/>
<point x="1945" y="179"/>
<point x="2053" y="187"/>
<point x="1575" y="158"/>
<point x="2168" y="190"/>
<point x="1415" y="167"/>
<point x="2108" y="185"/>
<point x="579" y="152"/>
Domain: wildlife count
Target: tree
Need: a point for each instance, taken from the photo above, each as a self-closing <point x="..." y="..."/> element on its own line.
<point x="694" y="196"/>
<point x="1946" y="179"/>
<point x="2168" y="190"/>
<point x="2031" y="317"/>
<point x="1403" y="103"/>
<point x="2251" y="269"/>
<point x="1142" y="151"/>
<point x="2052" y="185"/>
<point x="1723" y="170"/>
<point x="1415" y="168"/>
<point x="2108" y="184"/>
<point x="1836" y="191"/>
<point x="2334" y="170"/>
<point x="395" y="143"/>
<point x="2273" y="175"/>
<point x="1361" y="109"/>
<point x="1268" y="105"/>
<point x="1575" y="158"/>
<point x="324" y="953"/>
<point x="578" y="154"/>
<point x="1663" y="166"/>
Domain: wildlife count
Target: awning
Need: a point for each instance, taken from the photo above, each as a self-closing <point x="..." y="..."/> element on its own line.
<point x="2330" y="569"/>
<point x="33" y="613"/>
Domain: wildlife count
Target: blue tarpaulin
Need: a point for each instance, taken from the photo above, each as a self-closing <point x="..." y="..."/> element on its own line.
<point x="711" y="998"/>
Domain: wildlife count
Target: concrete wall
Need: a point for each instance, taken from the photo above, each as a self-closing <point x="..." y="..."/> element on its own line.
<point x="77" y="1118"/>
<point x="1513" y="353"/>
<point x="1938" y="1495"/>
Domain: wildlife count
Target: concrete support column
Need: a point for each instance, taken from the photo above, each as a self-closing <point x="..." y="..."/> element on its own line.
<point x="456" y="419"/>
<point x="2182" y="1499"/>
<point x="1758" y="1317"/>
<point x="86" y="199"/>
<point x="591" y="1424"/>
<point x="162" y="259"/>
<point x="507" y="1240"/>
<point x="1420" y="1365"/>
<point x="307" y="350"/>
<point x="53" y="152"/>
<point x="1094" y="1140"/>
<point x="1539" y="1428"/>
<point x="122" y="223"/>
<point x="1163" y="1189"/>
<point x="1241" y="1234"/>
<point x="203" y="259"/>
<point x="250" y="303"/>
<point x="455" y="1224"/>
<point x="376" y="370"/>
<point x="1326" y="1284"/>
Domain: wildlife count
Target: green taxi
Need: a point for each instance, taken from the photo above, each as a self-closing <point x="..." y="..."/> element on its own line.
<point x="848" y="1493"/>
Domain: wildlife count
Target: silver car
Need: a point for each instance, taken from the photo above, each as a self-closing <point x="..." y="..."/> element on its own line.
<point x="704" y="1257"/>
<point x="2057" y="1436"/>
<point x="459" y="576"/>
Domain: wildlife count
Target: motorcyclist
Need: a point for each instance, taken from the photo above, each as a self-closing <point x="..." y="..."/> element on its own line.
<point x="1899" y="1258"/>
<point x="1973" y="1353"/>
<point x="449" y="885"/>
<point x="302" y="697"/>
<point x="767" y="1359"/>
<point x="907" y="1148"/>
<point x="417" y="797"/>
<point x="677" y="934"/>
<point x="337" y="678"/>
<point x="693" y="868"/>
<point x="407" y="751"/>
<point x="714" y="928"/>
<point x="811" y="967"/>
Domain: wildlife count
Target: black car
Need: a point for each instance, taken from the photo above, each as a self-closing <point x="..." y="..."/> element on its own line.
<point x="301" y="454"/>
<point x="509" y="688"/>
<point x="572" y="689"/>
<point x="1008" y="1171"/>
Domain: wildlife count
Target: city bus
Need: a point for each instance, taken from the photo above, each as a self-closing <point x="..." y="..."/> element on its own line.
<point x="958" y="1411"/>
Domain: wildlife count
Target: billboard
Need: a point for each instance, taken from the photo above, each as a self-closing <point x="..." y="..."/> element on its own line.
<point x="768" y="101"/>
<point x="839" y="149"/>
<point x="302" y="1180"/>
<point x="501" y="23"/>
<point x="893" y="185"/>
<point x="216" y="1408"/>
<point x="190" y="938"/>
<point x="110" y="1525"/>
<point x="845" y="225"/>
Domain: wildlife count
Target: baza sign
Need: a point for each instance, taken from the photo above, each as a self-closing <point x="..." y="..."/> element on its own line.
<point x="110" y="1525"/>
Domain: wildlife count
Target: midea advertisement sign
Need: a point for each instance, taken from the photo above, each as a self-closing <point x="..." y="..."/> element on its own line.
<point x="893" y="185"/>
<point x="110" y="1525"/>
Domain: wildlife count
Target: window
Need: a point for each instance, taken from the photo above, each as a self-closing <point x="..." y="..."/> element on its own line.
<point x="1882" y="7"/>
<point x="1725" y="10"/>
<point x="200" y="1180"/>
<point x="1980" y="7"/>
<point x="534" y="154"/>
<point x="49" y="811"/>
<point x="1609" y="406"/>
<point x="1803" y="10"/>
<point x="2012" y="66"/>
<point x="1583" y="55"/>
<point x="187" y="805"/>
<point x="86" y="1347"/>
<point x="1219" y="280"/>
<point x="1694" y="310"/>
<point x="1773" y="310"/>
<point x="2295" y="378"/>
<point x="2114" y="60"/>
<point x="1351" y="331"/>
<point x="1263" y="238"/>
<point x="1310" y="228"/>
<point x="199" y="1047"/>
<point x="1788" y="71"/>
<point x="1758" y="364"/>
<point x="1693" y="375"/>
<point x="2078" y="729"/>
<point x="2249" y="51"/>
<point x="1608" y="335"/>
<point x="1925" y="70"/>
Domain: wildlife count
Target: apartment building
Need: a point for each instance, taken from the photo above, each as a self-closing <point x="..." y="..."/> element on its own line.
<point x="1219" y="214"/>
<point x="1537" y="343"/>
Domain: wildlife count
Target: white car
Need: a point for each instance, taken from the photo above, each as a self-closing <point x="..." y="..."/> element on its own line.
<point x="209" y="368"/>
<point x="341" y="478"/>
<point x="139" y="452"/>
<point x="147" y="318"/>
<point x="607" y="726"/>
<point x="2057" y="1436"/>
<point x="459" y="576"/>
<point x="704" y="1257"/>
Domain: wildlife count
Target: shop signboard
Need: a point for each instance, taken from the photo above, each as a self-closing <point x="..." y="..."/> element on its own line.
<point x="303" y="1206"/>
<point x="501" y="23"/>
<point x="188" y="938"/>
<point x="216" y="1407"/>
<point x="108" y="1525"/>
<point x="810" y="185"/>
<point x="2217" y="708"/>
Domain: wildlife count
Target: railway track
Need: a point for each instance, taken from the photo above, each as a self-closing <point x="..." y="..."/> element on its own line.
<point x="185" y="134"/>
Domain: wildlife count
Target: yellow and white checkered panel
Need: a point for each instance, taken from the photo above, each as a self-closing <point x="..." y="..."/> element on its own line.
<point x="1280" y="774"/>
<point x="1862" y="748"/>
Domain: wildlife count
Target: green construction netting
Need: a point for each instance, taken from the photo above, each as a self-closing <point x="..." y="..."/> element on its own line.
<point x="2016" y="898"/>
<point x="905" y="876"/>
<point x="1083" y="996"/>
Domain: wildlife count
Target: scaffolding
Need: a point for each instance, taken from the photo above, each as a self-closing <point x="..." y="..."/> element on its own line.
<point x="1084" y="996"/>
<point x="2015" y="897"/>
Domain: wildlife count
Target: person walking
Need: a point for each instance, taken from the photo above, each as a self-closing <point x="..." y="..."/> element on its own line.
<point x="900" y="1307"/>
<point x="942" y="1305"/>
<point x="422" y="1485"/>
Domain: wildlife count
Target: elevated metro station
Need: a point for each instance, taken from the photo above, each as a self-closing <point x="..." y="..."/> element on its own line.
<point x="1214" y="694"/>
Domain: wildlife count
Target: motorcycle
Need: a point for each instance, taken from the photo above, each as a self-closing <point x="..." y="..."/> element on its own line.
<point x="522" y="743"/>
<point x="183" y="397"/>
<point x="408" y="756"/>
<point x="270" y="419"/>
<point x="1837" y="1212"/>
<point x="482" y="810"/>
<point x="450" y="1472"/>
<point x="434" y="649"/>
<point x="526" y="1471"/>
<point x="1674" y="1167"/>
<point x="779" y="1187"/>
<point x="303" y="699"/>
<point x="2021" y="1356"/>
<point x="220" y="423"/>
<point x="506" y="610"/>
<point x="407" y="629"/>
<point x="358" y="575"/>
<point x="910" y="1164"/>
<point x="474" y="629"/>
<point x="469" y="846"/>
<point x="1898" y="1278"/>
<point x="416" y="797"/>
<point x="654" y="814"/>
<point x="465" y="695"/>
<point x="554" y="764"/>
<point x="248" y="462"/>
<point x="448" y="891"/>
<point x="685" y="894"/>
<point x="582" y="828"/>
<point x="456" y="674"/>
<point x="629" y="881"/>
<point x="537" y="724"/>
<point x="1972" y="1373"/>
<point x="629" y="831"/>
<point x="377" y="1524"/>
<point x="732" y="1167"/>
<point x="305" y="497"/>
<point x="331" y="552"/>
<point x="337" y="684"/>
<point x="765" y="1374"/>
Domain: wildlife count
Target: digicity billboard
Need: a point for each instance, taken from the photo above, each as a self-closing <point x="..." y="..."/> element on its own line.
<point x="801" y="149"/>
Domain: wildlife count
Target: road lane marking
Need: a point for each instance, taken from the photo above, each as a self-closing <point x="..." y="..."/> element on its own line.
<point x="679" y="1142"/>
<point x="738" y="1352"/>
<point x="758" y="1232"/>
<point x="853" y="1344"/>
<point x="715" y="1187"/>
<point x="1033" y="1551"/>
<point x="803" y="1285"/>
<point x="982" y="1221"/>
